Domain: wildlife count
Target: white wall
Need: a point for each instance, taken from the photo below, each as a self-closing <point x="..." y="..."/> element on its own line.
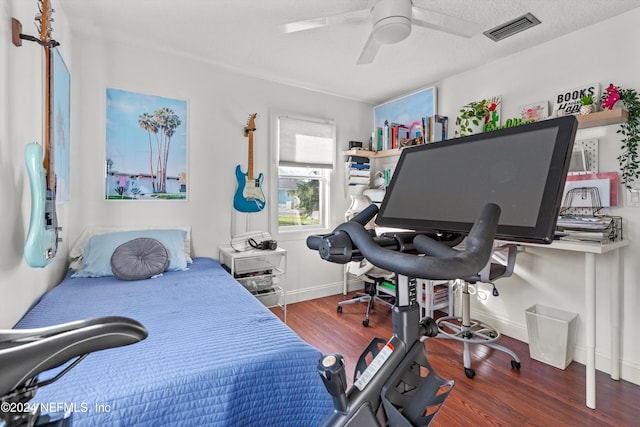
<point x="21" y="101"/>
<point x="602" y="53"/>
<point x="219" y="102"/>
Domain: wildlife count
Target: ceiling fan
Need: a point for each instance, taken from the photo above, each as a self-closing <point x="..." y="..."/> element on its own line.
<point x="392" y="21"/>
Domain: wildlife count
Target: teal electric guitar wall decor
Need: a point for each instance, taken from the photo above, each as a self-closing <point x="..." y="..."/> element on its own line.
<point x="249" y="196"/>
<point x="42" y="240"/>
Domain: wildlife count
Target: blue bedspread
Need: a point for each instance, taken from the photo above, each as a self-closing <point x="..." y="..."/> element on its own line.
<point x="215" y="356"/>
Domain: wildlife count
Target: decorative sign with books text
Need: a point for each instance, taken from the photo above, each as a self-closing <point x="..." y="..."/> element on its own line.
<point x="568" y="101"/>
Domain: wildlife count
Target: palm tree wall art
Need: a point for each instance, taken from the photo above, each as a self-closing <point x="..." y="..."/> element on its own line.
<point x="146" y="147"/>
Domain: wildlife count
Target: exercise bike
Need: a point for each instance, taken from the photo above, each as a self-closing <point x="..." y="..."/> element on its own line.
<point x="399" y="376"/>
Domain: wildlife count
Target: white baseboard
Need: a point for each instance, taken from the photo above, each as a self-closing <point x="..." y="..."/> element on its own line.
<point x="321" y="291"/>
<point x="628" y="371"/>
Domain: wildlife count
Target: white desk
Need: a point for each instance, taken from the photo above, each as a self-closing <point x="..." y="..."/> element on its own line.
<point x="590" y="250"/>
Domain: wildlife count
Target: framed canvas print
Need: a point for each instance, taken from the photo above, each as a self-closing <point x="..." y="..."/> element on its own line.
<point x="408" y="116"/>
<point x="146" y="149"/>
<point x="61" y="94"/>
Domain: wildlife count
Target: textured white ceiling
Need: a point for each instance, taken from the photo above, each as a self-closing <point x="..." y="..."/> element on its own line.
<point x="244" y="35"/>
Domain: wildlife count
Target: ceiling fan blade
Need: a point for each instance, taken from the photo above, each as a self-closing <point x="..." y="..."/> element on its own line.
<point x="448" y="24"/>
<point x="369" y="51"/>
<point x="309" y="24"/>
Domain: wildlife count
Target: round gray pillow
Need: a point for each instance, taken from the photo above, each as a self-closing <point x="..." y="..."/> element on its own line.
<point x="139" y="259"/>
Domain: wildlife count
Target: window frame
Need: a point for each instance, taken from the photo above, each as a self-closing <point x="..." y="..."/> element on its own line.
<point x="293" y="232"/>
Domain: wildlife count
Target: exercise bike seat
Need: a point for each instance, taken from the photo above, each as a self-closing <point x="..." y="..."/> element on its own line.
<point x="24" y="353"/>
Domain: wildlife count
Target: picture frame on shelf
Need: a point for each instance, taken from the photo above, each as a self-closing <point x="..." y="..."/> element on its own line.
<point x="567" y="101"/>
<point x="536" y="111"/>
<point x="495" y="111"/>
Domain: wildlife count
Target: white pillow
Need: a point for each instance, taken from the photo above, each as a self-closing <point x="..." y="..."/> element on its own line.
<point x="75" y="254"/>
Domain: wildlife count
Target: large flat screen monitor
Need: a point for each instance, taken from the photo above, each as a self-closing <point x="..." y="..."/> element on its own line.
<point x="443" y="186"/>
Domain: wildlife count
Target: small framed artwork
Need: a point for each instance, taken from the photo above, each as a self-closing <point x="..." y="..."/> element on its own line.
<point x="495" y="111"/>
<point x="536" y="111"/>
<point x="146" y="149"/>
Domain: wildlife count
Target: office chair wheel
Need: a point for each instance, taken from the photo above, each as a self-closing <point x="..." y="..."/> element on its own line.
<point x="515" y="364"/>
<point x="470" y="373"/>
<point x="365" y="322"/>
<point x="339" y="309"/>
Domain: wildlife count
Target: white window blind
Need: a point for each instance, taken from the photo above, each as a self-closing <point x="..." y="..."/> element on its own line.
<point x="306" y="143"/>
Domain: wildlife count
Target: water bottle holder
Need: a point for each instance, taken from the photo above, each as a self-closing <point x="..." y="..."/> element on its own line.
<point x="414" y="394"/>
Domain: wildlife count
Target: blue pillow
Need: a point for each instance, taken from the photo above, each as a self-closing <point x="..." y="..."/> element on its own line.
<point x="96" y="257"/>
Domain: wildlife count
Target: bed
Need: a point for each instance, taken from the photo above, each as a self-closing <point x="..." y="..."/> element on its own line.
<point x="214" y="356"/>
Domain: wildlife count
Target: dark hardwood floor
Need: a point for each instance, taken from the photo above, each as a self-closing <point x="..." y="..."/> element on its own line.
<point x="537" y="395"/>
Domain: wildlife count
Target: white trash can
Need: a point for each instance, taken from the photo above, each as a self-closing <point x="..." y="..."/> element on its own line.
<point x="552" y="335"/>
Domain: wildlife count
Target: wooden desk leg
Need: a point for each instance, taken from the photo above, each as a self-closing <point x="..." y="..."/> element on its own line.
<point x="616" y="293"/>
<point x="590" y="323"/>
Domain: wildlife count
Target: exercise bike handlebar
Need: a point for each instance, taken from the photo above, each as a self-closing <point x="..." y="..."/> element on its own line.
<point x="315" y="241"/>
<point x="439" y="263"/>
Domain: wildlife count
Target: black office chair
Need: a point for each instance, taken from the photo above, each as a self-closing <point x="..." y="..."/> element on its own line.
<point x="471" y="331"/>
<point x="378" y="287"/>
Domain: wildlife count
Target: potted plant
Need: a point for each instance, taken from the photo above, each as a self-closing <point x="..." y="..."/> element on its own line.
<point x="586" y="105"/>
<point x="630" y="131"/>
<point x="472" y="117"/>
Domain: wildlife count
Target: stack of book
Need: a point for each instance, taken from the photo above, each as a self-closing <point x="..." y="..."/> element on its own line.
<point x="358" y="170"/>
<point x="396" y="135"/>
<point x="436" y="127"/>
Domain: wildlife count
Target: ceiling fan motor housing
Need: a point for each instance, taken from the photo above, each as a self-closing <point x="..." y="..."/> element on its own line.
<point x="391" y="20"/>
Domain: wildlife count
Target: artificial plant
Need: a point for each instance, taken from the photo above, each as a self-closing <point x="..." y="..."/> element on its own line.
<point x="586" y="100"/>
<point x="473" y="113"/>
<point x="586" y="105"/>
<point x="630" y="131"/>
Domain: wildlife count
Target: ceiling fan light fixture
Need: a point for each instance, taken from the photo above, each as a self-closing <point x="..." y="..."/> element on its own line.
<point x="392" y="29"/>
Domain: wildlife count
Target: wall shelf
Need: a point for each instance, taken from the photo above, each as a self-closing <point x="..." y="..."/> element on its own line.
<point x="602" y="118"/>
<point x="373" y="154"/>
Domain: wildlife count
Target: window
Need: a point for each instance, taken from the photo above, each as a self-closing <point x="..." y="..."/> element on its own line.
<point x="306" y="152"/>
